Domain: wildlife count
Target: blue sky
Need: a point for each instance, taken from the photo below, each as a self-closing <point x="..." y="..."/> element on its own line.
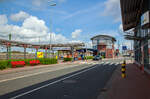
<point x="69" y="20"/>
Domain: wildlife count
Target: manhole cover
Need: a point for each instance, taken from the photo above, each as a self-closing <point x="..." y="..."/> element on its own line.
<point x="69" y="81"/>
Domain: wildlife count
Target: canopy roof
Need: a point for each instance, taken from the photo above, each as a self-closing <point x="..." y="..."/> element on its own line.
<point x="131" y="11"/>
<point x="29" y="45"/>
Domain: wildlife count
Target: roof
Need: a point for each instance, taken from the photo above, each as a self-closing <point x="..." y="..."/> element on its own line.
<point x="131" y="12"/>
<point x="104" y="36"/>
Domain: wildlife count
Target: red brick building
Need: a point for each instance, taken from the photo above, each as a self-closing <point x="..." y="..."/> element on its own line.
<point x="104" y="45"/>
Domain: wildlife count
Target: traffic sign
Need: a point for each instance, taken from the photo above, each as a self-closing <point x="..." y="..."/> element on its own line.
<point x="124" y="47"/>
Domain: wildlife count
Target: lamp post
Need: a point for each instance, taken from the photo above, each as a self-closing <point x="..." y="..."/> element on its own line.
<point x="9" y="48"/>
<point x="52" y="4"/>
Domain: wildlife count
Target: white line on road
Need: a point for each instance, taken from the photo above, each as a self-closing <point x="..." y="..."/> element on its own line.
<point x="111" y="63"/>
<point x="102" y="62"/>
<point x="117" y="64"/>
<point x="22" y="94"/>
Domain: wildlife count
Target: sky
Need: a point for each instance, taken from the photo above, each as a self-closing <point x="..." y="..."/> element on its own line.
<point x="69" y="21"/>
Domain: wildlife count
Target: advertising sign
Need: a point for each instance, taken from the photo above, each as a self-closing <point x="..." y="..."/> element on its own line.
<point x="61" y="48"/>
<point x="40" y="54"/>
<point x="145" y="18"/>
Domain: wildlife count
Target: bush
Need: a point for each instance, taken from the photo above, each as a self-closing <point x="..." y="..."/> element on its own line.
<point x="89" y="57"/>
<point x="67" y="59"/>
<point x="7" y="63"/>
<point x="4" y="64"/>
<point x="46" y="61"/>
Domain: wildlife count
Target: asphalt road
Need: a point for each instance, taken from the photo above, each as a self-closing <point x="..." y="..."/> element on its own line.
<point x="85" y="83"/>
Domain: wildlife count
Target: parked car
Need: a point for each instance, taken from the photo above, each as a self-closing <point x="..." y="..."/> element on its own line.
<point x="97" y="57"/>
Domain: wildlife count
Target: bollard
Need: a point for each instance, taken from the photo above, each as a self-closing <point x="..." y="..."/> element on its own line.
<point x="123" y="69"/>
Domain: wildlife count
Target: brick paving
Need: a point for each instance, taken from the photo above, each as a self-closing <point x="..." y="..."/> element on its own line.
<point x="135" y="86"/>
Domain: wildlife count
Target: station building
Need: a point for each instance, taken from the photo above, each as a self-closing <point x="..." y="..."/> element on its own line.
<point x="136" y="24"/>
<point x="104" y="45"/>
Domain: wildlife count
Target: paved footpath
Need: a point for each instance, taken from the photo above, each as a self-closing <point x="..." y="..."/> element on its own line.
<point x="135" y="86"/>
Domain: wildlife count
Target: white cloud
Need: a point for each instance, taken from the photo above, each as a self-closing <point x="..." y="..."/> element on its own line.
<point x="58" y="38"/>
<point x="38" y="26"/>
<point x="29" y="32"/>
<point x="19" y="16"/>
<point x="76" y="33"/>
<point x="3" y="19"/>
<point x="34" y="30"/>
<point x="112" y="8"/>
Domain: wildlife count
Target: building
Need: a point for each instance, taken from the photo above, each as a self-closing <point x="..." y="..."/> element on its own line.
<point x="136" y="21"/>
<point x="104" y="45"/>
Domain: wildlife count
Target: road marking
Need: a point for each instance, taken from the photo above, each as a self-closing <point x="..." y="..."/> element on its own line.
<point x="102" y="62"/>
<point x="105" y="63"/>
<point x="20" y="95"/>
<point x="111" y="63"/>
<point x="117" y="64"/>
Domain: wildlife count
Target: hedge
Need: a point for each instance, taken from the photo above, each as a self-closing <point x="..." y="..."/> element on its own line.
<point x="48" y="61"/>
<point x="67" y="59"/>
<point x="7" y="63"/>
<point x="89" y="57"/>
<point x="4" y="64"/>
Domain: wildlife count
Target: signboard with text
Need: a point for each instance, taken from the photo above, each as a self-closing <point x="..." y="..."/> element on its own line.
<point x="40" y="54"/>
<point x="61" y="48"/>
<point x="145" y="18"/>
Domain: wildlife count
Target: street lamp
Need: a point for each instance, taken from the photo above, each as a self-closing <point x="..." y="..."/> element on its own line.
<point x="52" y="4"/>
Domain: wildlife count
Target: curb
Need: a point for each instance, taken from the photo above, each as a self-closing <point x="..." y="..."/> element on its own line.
<point x="104" y="95"/>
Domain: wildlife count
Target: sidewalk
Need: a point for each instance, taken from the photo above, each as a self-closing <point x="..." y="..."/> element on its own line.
<point x="28" y="68"/>
<point x="135" y="86"/>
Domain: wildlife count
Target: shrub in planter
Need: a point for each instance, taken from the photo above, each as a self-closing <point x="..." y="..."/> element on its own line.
<point x="17" y="64"/>
<point x="67" y="59"/>
<point x="48" y="61"/>
<point x="4" y="64"/>
<point x="89" y="57"/>
<point x="27" y="61"/>
<point x="34" y="62"/>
